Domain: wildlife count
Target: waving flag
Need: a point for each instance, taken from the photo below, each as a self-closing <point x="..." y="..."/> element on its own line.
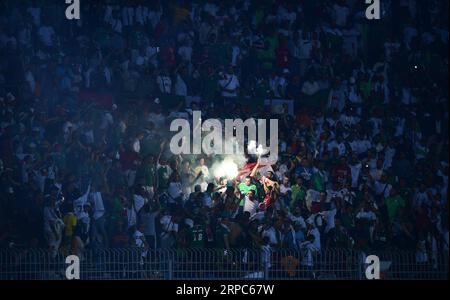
<point x="247" y="169"/>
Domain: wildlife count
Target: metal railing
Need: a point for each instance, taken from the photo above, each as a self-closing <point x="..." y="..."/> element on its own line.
<point x="215" y="264"/>
<point x="406" y="265"/>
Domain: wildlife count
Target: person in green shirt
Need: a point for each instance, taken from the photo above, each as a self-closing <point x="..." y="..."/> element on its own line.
<point x="137" y="38"/>
<point x="348" y="217"/>
<point x="146" y="172"/>
<point x="221" y="51"/>
<point x="261" y="88"/>
<point x="198" y="236"/>
<point x="163" y="175"/>
<point x="393" y="202"/>
<point x="366" y="87"/>
<point x="405" y="192"/>
<point x="115" y="208"/>
<point x="259" y="16"/>
<point x="319" y="177"/>
<point x="298" y="193"/>
<point x="163" y="170"/>
<point x="268" y="55"/>
<point x="245" y="187"/>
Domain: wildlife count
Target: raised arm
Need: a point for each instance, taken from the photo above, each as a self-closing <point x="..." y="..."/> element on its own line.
<point x="255" y="168"/>
<point x="161" y="149"/>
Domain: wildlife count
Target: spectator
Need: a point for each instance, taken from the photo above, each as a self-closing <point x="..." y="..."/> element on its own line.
<point x="84" y="127"/>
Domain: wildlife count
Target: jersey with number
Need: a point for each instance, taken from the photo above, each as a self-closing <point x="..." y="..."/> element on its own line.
<point x="198" y="236"/>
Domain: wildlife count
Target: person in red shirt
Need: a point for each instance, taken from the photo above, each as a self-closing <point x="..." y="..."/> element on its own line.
<point x="161" y="28"/>
<point x="168" y="55"/>
<point x="423" y="223"/>
<point x="342" y="172"/>
<point x="303" y="118"/>
<point x="128" y="158"/>
<point x="282" y="55"/>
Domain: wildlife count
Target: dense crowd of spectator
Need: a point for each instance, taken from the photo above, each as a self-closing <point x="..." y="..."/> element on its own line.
<point x="85" y="107"/>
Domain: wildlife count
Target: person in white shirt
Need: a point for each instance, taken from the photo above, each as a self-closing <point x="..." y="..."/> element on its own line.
<point x="98" y="233"/>
<point x="355" y="167"/>
<point x="185" y="51"/>
<point x="140" y="241"/>
<point x="175" y="188"/>
<point x="308" y="249"/>
<point x="202" y="174"/>
<point x="337" y="96"/>
<point x="211" y="8"/>
<point x="151" y="53"/>
<point x="350" y="37"/>
<point x="297" y="218"/>
<point x="116" y="23"/>
<point x="207" y="200"/>
<point x="164" y="82"/>
<point x="137" y="142"/>
<point x="180" y="86"/>
<point x="273" y="235"/>
<point x="53" y="225"/>
<point x="310" y="87"/>
<point x="139" y="238"/>
<point x="341" y="13"/>
<point x="235" y="54"/>
<point x="278" y="84"/>
<point x="348" y="118"/>
<point x="338" y="144"/>
<point x="29" y="77"/>
<point x="376" y="125"/>
<point x="305" y="46"/>
<point x="141" y="15"/>
<point x="382" y="187"/>
<point x="128" y="16"/>
<point x="132" y="214"/>
<point x="251" y="204"/>
<point x="266" y="252"/>
<point x="378" y="171"/>
<point x="147" y="218"/>
<point x="312" y="230"/>
<point x="154" y="16"/>
<point x="421" y="197"/>
<point x="169" y="229"/>
<point x="35" y="12"/>
<point x="366" y="213"/>
<point x="156" y="117"/>
<point x="360" y="145"/>
<point x="46" y="35"/>
<point x="389" y="154"/>
<point x="229" y="84"/>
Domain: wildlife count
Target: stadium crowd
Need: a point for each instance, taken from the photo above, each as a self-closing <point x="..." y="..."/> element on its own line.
<point x="85" y="107"/>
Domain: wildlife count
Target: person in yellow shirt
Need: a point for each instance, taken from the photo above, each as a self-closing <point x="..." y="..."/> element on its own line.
<point x="70" y="222"/>
<point x="181" y="13"/>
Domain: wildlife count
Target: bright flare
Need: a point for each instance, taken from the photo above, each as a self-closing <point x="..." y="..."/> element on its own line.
<point x="227" y="168"/>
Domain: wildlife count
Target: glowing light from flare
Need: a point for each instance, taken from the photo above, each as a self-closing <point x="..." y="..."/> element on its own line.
<point x="227" y="168"/>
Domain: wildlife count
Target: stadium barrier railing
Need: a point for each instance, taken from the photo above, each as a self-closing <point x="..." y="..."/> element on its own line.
<point x="216" y="264"/>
